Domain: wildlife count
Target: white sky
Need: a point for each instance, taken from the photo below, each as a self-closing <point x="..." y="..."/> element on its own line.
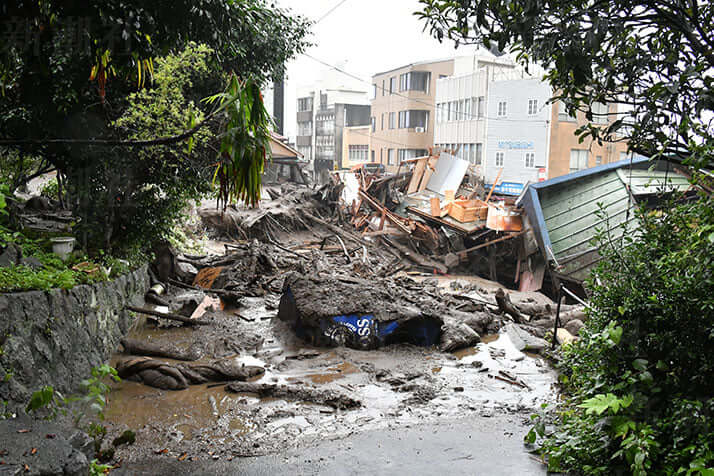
<point x="362" y="37"/>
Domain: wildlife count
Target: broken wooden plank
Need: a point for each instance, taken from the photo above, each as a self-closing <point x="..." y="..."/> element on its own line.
<point x="417" y="258"/>
<point x="417" y="175"/>
<point x="463" y="253"/>
<point x="430" y="167"/>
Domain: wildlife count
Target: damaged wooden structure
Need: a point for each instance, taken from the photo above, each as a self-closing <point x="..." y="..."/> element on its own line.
<point x="437" y="219"/>
<point x="563" y="215"/>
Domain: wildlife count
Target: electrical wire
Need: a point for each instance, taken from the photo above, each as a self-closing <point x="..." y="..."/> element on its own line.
<point x="430" y="104"/>
<point x="330" y="11"/>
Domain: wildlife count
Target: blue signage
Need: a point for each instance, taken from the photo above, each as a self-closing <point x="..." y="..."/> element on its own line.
<point x="515" y="144"/>
<point x="507" y="188"/>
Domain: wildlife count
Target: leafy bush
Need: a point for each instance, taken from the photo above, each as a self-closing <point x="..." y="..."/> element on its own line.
<point x="50" y="189"/>
<point x="641" y="378"/>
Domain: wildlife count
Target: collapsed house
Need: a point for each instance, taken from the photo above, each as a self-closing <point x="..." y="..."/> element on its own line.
<point x="564" y="215"/>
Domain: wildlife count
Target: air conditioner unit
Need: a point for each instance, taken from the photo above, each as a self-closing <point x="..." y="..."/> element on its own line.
<point x="418" y="129"/>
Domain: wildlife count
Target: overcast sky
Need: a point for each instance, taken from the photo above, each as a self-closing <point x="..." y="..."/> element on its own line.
<point x="362" y="37"/>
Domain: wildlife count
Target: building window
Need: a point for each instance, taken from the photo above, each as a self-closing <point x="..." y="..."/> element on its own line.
<point x="415" y="81"/>
<point x="323" y="100"/>
<point x="392" y="120"/>
<point x="530" y="160"/>
<point x="532" y="107"/>
<point x="501" y="108"/>
<point x="499" y="159"/>
<point x="390" y="157"/>
<point x="599" y="111"/>
<point x="467" y="110"/>
<point x="563" y="114"/>
<point x="578" y="159"/>
<point x="381" y="156"/>
<point x="392" y="84"/>
<point x="481" y="106"/>
<point x="374" y="123"/>
<point x="358" y="153"/>
<point x="305" y="104"/>
<point x="439" y="108"/>
<point x="384" y="90"/>
<point x="598" y="160"/>
<point x="402" y="119"/>
<point x="305" y="128"/>
<point x="372" y="155"/>
<point x="405" y="154"/>
<point x="478" y="154"/>
<point x="306" y="151"/>
<point x="374" y="91"/>
<point x="382" y="121"/>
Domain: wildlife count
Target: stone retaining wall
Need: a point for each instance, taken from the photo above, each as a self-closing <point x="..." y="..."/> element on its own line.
<point x="56" y="337"/>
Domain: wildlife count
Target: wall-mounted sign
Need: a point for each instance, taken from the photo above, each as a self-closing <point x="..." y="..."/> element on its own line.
<point x="515" y="144"/>
<point x="507" y="188"/>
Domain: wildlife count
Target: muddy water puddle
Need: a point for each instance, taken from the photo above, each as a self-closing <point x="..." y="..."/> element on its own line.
<point x="397" y="385"/>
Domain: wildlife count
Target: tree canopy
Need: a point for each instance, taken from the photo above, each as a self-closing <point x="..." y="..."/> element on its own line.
<point x="654" y="58"/>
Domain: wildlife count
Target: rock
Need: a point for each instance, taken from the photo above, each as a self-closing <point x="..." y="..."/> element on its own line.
<point x="574" y="326"/>
<point x="186" y="271"/>
<point x="457" y="336"/>
<point x="53" y="454"/>
<point x="32" y="263"/>
<point x="10" y="256"/>
<point x="522" y="340"/>
<point x="564" y="337"/>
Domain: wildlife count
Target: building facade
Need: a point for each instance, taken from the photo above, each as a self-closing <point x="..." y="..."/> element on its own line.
<point x="568" y="154"/>
<point x="321" y="117"/>
<point x="518" y="133"/>
<point x="402" y="115"/>
<point x="355" y="146"/>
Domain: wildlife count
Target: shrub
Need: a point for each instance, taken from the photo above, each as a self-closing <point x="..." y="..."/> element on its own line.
<point x="640" y="381"/>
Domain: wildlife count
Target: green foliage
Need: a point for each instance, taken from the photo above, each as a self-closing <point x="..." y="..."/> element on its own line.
<point x="47" y="398"/>
<point x="98" y="469"/>
<point x="50" y="189"/>
<point x="138" y="196"/>
<point x="641" y="378"/>
<point x="245" y="145"/>
<point x="96" y="390"/>
<point x="653" y="58"/>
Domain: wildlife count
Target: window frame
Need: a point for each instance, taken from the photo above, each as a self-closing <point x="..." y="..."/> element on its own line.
<point x="502" y="156"/>
<point x="502" y="113"/>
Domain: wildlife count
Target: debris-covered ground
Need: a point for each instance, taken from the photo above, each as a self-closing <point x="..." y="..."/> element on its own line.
<point x="302" y="330"/>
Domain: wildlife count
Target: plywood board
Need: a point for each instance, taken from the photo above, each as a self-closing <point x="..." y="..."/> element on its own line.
<point x="417" y="175"/>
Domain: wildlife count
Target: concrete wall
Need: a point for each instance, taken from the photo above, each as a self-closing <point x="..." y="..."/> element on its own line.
<point x="518" y="132"/>
<point x="563" y="140"/>
<point x="56" y="337"/>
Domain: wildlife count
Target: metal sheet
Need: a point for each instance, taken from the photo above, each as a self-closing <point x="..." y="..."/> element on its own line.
<point x="448" y="175"/>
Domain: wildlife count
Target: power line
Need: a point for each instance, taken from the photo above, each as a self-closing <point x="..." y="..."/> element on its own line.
<point x="433" y="105"/>
<point x="330" y="11"/>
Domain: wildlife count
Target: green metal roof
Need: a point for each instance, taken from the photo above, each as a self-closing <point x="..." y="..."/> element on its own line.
<point x="643" y="182"/>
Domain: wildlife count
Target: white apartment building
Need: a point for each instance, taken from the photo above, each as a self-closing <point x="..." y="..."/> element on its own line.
<point x="498" y="119"/>
<point x="518" y="133"/>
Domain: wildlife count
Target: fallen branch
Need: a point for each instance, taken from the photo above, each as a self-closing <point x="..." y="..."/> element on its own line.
<point x="169" y="316"/>
<point x="136" y="347"/>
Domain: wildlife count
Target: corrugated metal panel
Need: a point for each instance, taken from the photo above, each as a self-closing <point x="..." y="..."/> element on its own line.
<point x="570" y="212"/>
<point x="643" y="182"/>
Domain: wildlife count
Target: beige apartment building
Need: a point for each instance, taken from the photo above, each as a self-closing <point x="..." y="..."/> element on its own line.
<point x="402" y="122"/>
<point x="355" y="146"/>
<point x="568" y="154"/>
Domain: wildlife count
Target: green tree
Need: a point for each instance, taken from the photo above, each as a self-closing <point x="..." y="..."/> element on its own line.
<point x="652" y="57"/>
<point x="73" y="73"/>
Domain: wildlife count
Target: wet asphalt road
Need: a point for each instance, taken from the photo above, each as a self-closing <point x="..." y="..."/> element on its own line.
<point x="477" y="446"/>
